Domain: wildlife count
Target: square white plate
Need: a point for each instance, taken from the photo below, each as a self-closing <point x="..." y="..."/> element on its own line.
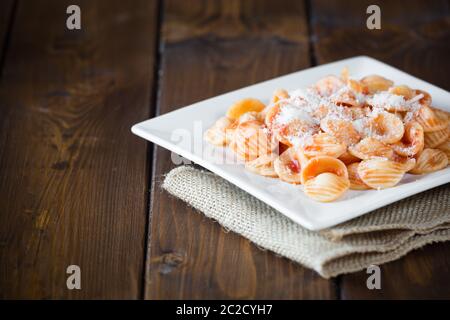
<point x="181" y="131"/>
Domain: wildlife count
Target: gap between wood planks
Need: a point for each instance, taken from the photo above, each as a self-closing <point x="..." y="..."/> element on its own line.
<point x="151" y="148"/>
<point x="6" y="38"/>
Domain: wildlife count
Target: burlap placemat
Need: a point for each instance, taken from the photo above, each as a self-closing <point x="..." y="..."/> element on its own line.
<point x="381" y="236"/>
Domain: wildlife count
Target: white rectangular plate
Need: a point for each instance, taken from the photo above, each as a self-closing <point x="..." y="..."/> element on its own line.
<point x="181" y="132"/>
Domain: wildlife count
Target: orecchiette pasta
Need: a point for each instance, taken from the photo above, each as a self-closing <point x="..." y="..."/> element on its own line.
<point x="279" y="94"/>
<point x="430" y="160"/>
<point x="407" y="162"/>
<point x="326" y="187"/>
<point x="341" y="133"/>
<point x="380" y="173"/>
<point x="435" y="138"/>
<point x="369" y="148"/>
<point x="243" y="106"/>
<point x="353" y="176"/>
<point x="323" y="144"/>
<point x="375" y="83"/>
<point x="386" y="127"/>
<point x="216" y="135"/>
<point x="288" y="166"/>
<point x="441" y="114"/>
<point x="252" y="141"/>
<point x="329" y="85"/>
<point x="263" y="165"/>
<point x="429" y="120"/>
<point x="286" y="134"/>
<point x="342" y="130"/>
<point x="445" y="147"/>
<point x="318" y="165"/>
<point x="412" y="142"/>
<point x="347" y="158"/>
<point x="404" y="91"/>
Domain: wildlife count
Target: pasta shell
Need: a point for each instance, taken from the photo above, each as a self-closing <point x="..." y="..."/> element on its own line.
<point x="323" y="144"/>
<point x="342" y="130"/>
<point x="348" y="158"/>
<point x="429" y="121"/>
<point x="358" y="112"/>
<point x="230" y="133"/>
<point x="263" y="165"/>
<point x="300" y="155"/>
<point x="386" y="127"/>
<point x="288" y="167"/>
<point x="355" y="181"/>
<point x="369" y="148"/>
<point x="271" y="114"/>
<point x="430" y="160"/>
<point x="318" y="165"/>
<point x="296" y="128"/>
<point x="279" y="94"/>
<point x="252" y="141"/>
<point x="357" y="86"/>
<point x="244" y="106"/>
<point x="407" y="163"/>
<point x="346" y="98"/>
<point x="251" y="115"/>
<point x="445" y="147"/>
<point x="326" y="187"/>
<point x="380" y="173"/>
<point x="375" y="83"/>
<point x="435" y="138"/>
<point x="426" y="100"/>
<point x="441" y="114"/>
<point x="412" y="142"/>
<point x="404" y="91"/>
<point x="216" y="135"/>
<point x="328" y="85"/>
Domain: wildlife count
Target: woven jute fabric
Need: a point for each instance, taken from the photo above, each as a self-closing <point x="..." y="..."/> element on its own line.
<point x="375" y="238"/>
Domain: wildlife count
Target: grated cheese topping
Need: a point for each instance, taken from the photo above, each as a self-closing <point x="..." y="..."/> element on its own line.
<point x="386" y="99"/>
<point x="308" y="106"/>
<point x="290" y="113"/>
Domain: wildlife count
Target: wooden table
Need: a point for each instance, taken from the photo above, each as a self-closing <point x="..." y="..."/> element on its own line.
<point x="76" y="187"/>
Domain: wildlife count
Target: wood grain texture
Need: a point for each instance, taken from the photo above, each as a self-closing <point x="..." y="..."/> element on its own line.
<point x="6" y="14"/>
<point x="6" y="20"/>
<point x="211" y="47"/>
<point x="73" y="179"/>
<point x="415" y="37"/>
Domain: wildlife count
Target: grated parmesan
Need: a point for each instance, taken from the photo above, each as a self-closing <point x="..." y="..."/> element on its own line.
<point x="289" y="113"/>
<point x="386" y="99"/>
<point x="308" y="106"/>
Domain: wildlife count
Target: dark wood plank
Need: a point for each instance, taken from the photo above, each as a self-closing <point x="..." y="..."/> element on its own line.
<point x="6" y="20"/>
<point x="73" y="179"/>
<point x="414" y="37"/>
<point x="211" y="47"/>
<point x="6" y="14"/>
